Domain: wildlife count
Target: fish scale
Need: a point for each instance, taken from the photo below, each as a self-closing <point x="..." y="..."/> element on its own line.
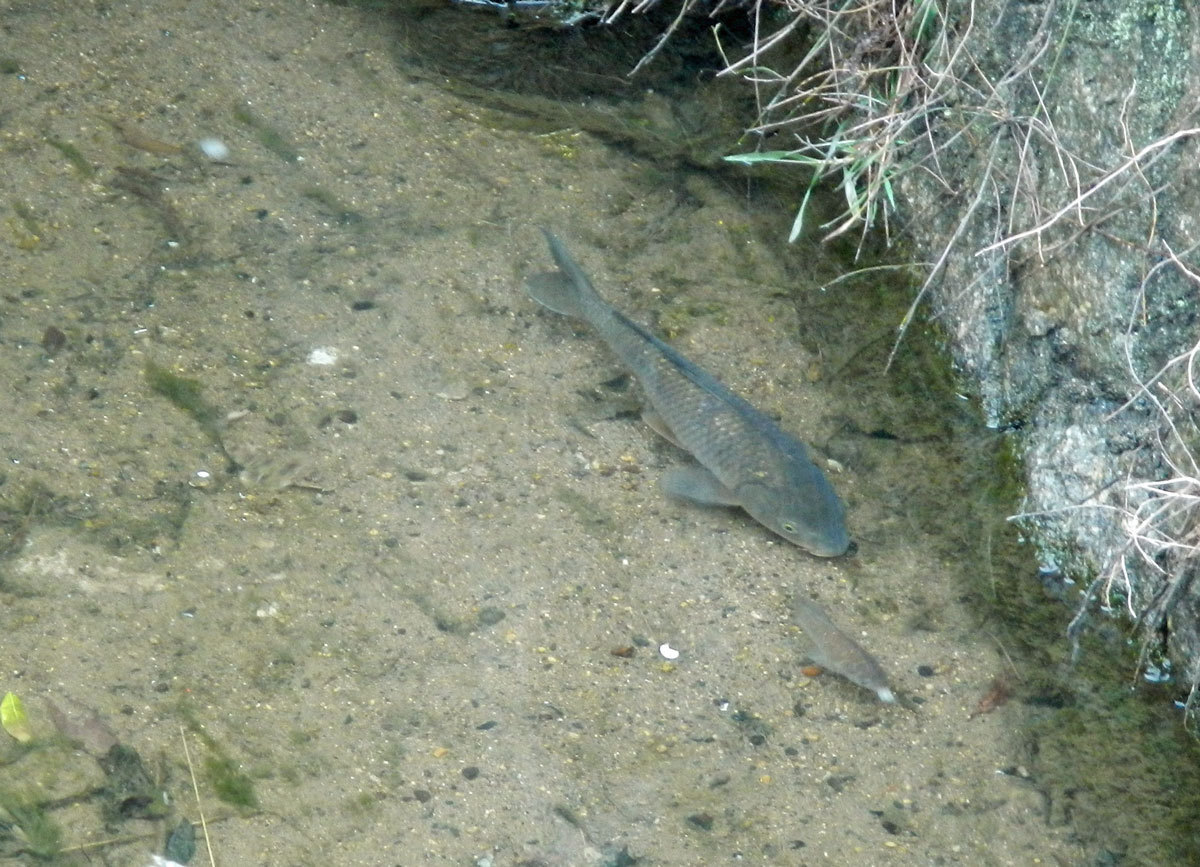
<point x="745" y="459"/>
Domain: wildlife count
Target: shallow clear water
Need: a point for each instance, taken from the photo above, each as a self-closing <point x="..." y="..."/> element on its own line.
<point x="395" y="561"/>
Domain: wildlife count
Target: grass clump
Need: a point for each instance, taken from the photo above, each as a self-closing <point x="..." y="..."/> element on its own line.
<point x="852" y="105"/>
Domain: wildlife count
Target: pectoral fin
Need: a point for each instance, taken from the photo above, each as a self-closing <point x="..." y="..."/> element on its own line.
<point x="554" y="290"/>
<point x="697" y="484"/>
<point x="656" y="423"/>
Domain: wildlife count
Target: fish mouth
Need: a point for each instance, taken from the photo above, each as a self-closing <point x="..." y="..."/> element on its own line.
<point x="830" y="549"/>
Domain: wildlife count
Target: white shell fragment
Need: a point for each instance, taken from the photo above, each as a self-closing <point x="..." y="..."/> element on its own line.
<point x="323" y="355"/>
<point x="668" y="652"/>
<point x="214" y="149"/>
<point x="159" y="861"/>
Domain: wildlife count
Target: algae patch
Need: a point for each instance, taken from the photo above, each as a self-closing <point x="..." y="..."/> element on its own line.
<point x="188" y="395"/>
<point x="27" y="829"/>
<point x="229" y="783"/>
<point x="268" y="136"/>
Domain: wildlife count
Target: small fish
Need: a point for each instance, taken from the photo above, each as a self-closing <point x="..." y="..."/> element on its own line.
<point x="745" y="459"/>
<point x="999" y="692"/>
<point x="836" y="651"/>
<point x="135" y="138"/>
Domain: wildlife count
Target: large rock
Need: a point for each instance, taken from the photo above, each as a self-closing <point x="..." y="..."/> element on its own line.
<point x="1072" y="280"/>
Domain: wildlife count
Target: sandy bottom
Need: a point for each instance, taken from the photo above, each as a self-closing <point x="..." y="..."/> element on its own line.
<point x="424" y="617"/>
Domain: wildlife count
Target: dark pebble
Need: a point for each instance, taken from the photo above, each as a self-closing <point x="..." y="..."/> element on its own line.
<point x="838" y="782"/>
<point x="347" y="416"/>
<point x="53" y="340"/>
<point x="470" y="772"/>
<point x="703" y="821"/>
<point x="925" y="670"/>
<point x="423" y="795"/>
<point x="490" y="615"/>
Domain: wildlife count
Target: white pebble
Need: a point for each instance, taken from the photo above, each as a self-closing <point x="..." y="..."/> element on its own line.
<point x="668" y="652"/>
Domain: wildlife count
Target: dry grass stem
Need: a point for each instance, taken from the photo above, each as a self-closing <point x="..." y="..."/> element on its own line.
<point x="1159" y="519"/>
<point x="199" y="805"/>
<point x="1132" y="164"/>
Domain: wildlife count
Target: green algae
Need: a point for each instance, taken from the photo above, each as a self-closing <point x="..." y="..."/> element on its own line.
<point x="29" y="231"/>
<point x="21" y="509"/>
<point x="1115" y="765"/>
<point x="26" y="828"/>
<point x="331" y="205"/>
<point x="188" y="395"/>
<point x="185" y="393"/>
<point x="230" y="783"/>
<point x="593" y="519"/>
<point x="268" y="136"/>
<point x="74" y="156"/>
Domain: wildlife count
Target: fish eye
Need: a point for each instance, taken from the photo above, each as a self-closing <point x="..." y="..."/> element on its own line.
<point x="789" y="527"/>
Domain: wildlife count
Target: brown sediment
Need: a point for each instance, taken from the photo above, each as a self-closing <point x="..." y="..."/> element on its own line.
<point x="835" y="651"/>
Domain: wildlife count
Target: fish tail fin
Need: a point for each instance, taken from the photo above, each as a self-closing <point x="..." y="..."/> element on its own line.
<point x="568" y="290"/>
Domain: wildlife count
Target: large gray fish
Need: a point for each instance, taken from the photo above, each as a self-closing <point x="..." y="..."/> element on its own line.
<point x="745" y="459"/>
